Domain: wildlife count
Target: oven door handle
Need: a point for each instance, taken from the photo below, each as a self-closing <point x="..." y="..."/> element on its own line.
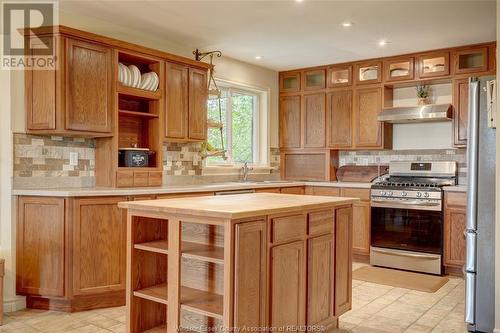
<point x="406" y="254"/>
<point x="434" y="206"/>
<point x="413" y="203"/>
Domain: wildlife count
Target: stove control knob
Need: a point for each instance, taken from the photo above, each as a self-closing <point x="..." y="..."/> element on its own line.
<point x="390" y="193"/>
<point x="419" y="194"/>
<point x="404" y="194"/>
<point x="426" y="194"/>
<point x="382" y="193"/>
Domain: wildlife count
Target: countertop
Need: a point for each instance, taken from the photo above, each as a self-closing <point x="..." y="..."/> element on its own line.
<point x="236" y="206"/>
<point x="109" y="191"/>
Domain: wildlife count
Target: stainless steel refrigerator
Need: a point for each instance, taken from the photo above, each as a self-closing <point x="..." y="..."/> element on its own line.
<point x="480" y="223"/>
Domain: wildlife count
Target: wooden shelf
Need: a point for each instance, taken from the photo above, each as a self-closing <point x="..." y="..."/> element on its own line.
<point x="156" y="293"/>
<point x="137" y="114"/>
<point x="203" y="252"/>
<point x="158" y="329"/>
<point x="159" y="246"/>
<point x="202" y="302"/>
<point x="138" y="93"/>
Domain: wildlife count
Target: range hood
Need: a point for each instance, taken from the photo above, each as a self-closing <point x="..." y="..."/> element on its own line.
<point x="417" y="114"/>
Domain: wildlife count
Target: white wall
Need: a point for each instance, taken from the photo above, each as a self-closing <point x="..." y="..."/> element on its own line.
<point x="423" y="135"/>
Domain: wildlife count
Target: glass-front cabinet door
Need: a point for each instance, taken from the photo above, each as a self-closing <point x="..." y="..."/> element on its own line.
<point x="339" y="76"/>
<point x="433" y="64"/>
<point x="368" y="72"/>
<point x="470" y="60"/>
<point x="398" y="69"/>
<point x="314" y="79"/>
<point x="290" y="82"/>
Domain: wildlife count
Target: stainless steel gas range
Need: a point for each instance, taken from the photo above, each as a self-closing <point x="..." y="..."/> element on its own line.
<point x="407" y="216"/>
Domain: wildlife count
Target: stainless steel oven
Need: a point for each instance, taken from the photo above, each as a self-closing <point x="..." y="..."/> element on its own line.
<point x="407" y="216"/>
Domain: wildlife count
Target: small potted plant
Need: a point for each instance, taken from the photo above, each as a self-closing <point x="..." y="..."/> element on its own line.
<point x="423" y="92"/>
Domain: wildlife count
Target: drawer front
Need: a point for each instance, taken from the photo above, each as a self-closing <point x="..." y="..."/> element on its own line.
<point x="293" y="190"/>
<point x="361" y="193"/>
<point x="320" y="222"/>
<point x="327" y="191"/>
<point x="155" y="178"/>
<point x="288" y="228"/>
<point x="124" y="178"/>
<point x="141" y="178"/>
<point x="457" y="199"/>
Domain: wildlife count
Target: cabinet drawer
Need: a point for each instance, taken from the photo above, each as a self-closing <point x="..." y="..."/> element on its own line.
<point x="288" y="228"/>
<point x="155" y="178"/>
<point x="293" y="190"/>
<point x="361" y="193"/>
<point x="320" y="222"/>
<point x="458" y="199"/>
<point x="141" y="178"/>
<point x="327" y="191"/>
<point x="124" y="178"/>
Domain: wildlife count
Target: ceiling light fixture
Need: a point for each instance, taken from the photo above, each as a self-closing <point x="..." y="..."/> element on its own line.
<point x="258" y="57"/>
<point x="299" y="0"/>
<point x="347" y="24"/>
<point x="383" y="42"/>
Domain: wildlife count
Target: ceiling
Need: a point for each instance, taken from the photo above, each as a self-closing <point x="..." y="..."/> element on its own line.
<point x="291" y="34"/>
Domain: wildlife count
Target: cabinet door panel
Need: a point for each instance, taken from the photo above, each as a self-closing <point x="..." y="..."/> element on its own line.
<point x="368" y="104"/>
<point x="40" y="246"/>
<point x="290" y="122"/>
<point x="314" y="121"/>
<point x="176" y="115"/>
<point x="250" y="274"/>
<point x="287" y="289"/>
<point x="454" y="241"/>
<point x="319" y="277"/>
<point x="361" y="228"/>
<point x="198" y="96"/>
<point x="99" y="237"/>
<point x="343" y="261"/>
<point x="339" y="119"/>
<point x="88" y="87"/>
<point x="460" y="111"/>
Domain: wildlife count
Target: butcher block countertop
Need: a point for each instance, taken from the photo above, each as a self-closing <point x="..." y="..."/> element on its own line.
<point x="236" y="206"/>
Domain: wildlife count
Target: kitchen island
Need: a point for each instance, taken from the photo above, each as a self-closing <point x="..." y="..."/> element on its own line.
<point x="242" y="262"/>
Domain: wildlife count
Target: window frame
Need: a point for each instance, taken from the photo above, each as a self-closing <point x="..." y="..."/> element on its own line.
<point x="260" y="127"/>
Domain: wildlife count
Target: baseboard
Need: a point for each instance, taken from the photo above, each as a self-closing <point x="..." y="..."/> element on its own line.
<point x="14" y="304"/>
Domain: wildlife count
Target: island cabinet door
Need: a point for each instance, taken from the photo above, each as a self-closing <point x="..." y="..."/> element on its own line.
<point x="40" y="246"/>
<point x="343" y="261"/>
<point x="319" y="279"/>
<point x="99" y="241"/>
<point x="250" y="273"/>
<point x="288" y="285"/>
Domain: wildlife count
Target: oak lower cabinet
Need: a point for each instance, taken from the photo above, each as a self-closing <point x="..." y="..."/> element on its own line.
<point x="71" y="252"/>
<point x="361" y="220"/>
<point x="454" y="228"/>
<point x="76" y="98"/>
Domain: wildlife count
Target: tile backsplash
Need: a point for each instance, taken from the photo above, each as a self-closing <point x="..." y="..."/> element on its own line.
<point x="385" y="156"/>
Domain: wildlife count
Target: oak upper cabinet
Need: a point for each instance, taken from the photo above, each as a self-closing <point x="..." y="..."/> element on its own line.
<point x="361" y="220"/>
<point x="289" y="122"/>
<point x="460" y="111"/>
<point x="75" y="99"/>
<point x="186" y="103"/>
<point x="41" y="246"/>
<point x="368" y="72"/>
<point x="198" y="96"/>
<point x="470" y="60"/>
<point x="314" y="79"/>
<point x="314" y="119"/>
<point x="177" y="103"/>
<point x="339" y="76"/>
<point x="290" y="82"/>
<point x="343" y="264"/>
<point x="99" y="238"/>
<point x="398" y="69"/>
<point x="339" y="118"/>
<point x="454" y="228"/>
<point x="288" y="273"/>
<point x="367" y="129"/>
<point x="433" y="64"/>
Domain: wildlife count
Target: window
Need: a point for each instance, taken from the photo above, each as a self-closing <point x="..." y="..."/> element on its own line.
<point x="240" y="118"/>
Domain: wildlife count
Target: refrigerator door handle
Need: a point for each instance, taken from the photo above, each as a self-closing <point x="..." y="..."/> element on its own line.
<point x="470" y="255"/>
<point x="472" y="154"/>
<point x="470" y="298"/>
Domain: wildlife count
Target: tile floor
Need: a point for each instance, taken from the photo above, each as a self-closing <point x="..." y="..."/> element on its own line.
<point x="376" y="309"/>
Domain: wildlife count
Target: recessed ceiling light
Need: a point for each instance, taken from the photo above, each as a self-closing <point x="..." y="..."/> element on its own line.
<point x="383" y="42"/>
<point x="258" y="57"/>
<point x="299" y="0"/>
<point x="347" y="24"/>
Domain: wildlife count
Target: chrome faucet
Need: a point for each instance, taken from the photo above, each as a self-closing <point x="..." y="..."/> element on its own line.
<point x="246" y="171"/>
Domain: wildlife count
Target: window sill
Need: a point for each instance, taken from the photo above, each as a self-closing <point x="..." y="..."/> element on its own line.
<point x="215" y="170"/>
